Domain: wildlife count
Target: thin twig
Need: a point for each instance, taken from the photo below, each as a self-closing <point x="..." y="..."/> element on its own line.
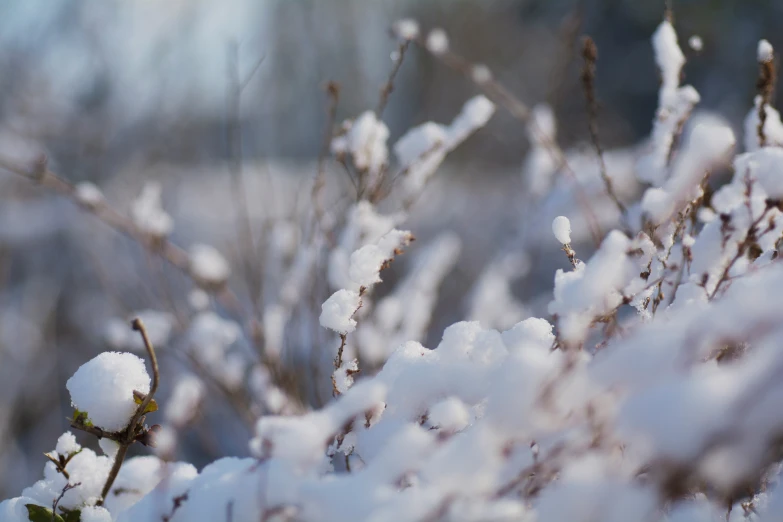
<point x="236" y="85"/>
<point x="333" y="94"/>
<point x="590" y="56"/>
<point x="388" y="87"/>
<point x="65" y="489"/>
<point x="135" y="428"/>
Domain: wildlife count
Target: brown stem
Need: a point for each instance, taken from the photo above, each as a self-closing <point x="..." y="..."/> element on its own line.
<point x="131" y="432"/>
<point x="590" y="56"/>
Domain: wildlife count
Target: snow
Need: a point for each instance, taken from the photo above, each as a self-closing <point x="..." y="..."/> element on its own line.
<point x="561" y="227"/>
<point x="208" y="265"/>
<point x="88" y="194"/>
<point x="367" y="142"/>
<point x="481" y="73"/>
<point x="449" y="415"/>
<point x="185" y="400"/>
<point x="406" y="29"/>
<point x="67" y="444"/>
<point x="148" y="214"/>
<point x="95" y="514"/>
<point x="437" y="41"/>
<point x="337" y="311"/>
<point x="695" y="42"/>
<point x="103" y="388"/>
<point x="765" y="52"/>
<point x="668" y="55"/>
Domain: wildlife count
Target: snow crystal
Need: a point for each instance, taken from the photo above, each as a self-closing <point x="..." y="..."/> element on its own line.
<point x="437" y="41"/>
<point x="695" y="42"/>
<point x="208" y="265"/>
<point x="148" y="214"/>
<point x="407" y="29"/>
<point x="765" y="52"/>
<point x="103" y="388"/>
<point x="337" y="311"/>
<point x="561" y="227"/>
<point x="88" y="194"/>
<point x="67" y="444"/>
<point x="95" y="514"/>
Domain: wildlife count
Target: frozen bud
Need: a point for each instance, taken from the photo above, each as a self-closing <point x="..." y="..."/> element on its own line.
<point x="561" y="227"/>
<point x="765" y="52"/>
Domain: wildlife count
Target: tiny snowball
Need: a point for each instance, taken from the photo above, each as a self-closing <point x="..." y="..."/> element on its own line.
<point x="481" y="73"/>
<point x="696" y="43"/>
<point x="407" y="29"/>
<point x="765" y="52"/>
<point x="94" y="514"/>
<point x="437" y="41"/>
<point x="208" y="265"/>
<point x="561" y="227"/>
<point x="103" y="388"/>
<point x="67" y="444"/>
<point x="148" y="214"/>
<point x="394" y="56"/>
<point x="337" y="311"/>
<point x="88" y="194"/>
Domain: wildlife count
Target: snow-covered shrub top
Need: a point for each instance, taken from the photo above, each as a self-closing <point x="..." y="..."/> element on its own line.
<point x="103" y="387"/>
<point x="652" y="391"/>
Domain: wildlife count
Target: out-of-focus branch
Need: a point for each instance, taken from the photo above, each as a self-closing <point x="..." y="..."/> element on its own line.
<point x="519" y="110"/>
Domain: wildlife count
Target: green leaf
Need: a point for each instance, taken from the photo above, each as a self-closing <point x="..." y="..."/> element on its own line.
<point x="80" y="417"/>
<point x="152" y="406"/>
<point x="42" y="514"/>
<point x="139" y="397"/>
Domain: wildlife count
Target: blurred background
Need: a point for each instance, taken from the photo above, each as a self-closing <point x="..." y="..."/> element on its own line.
<point x="121" y="92"/>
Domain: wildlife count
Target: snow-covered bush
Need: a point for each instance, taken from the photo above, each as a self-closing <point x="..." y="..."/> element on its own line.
<point x="651" y="390"/>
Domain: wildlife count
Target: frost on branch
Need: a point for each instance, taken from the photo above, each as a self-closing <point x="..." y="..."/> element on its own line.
<point x="103" y="387"/>
<point x="675" y="104"/>
<point x="337" y="311"/>
<point x="422" y="149"/>
<point x="208" y="266"/>
<point x="148" y="214"/>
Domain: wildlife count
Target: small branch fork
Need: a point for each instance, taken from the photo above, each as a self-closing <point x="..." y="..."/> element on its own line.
<point x="136" y="431"/>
